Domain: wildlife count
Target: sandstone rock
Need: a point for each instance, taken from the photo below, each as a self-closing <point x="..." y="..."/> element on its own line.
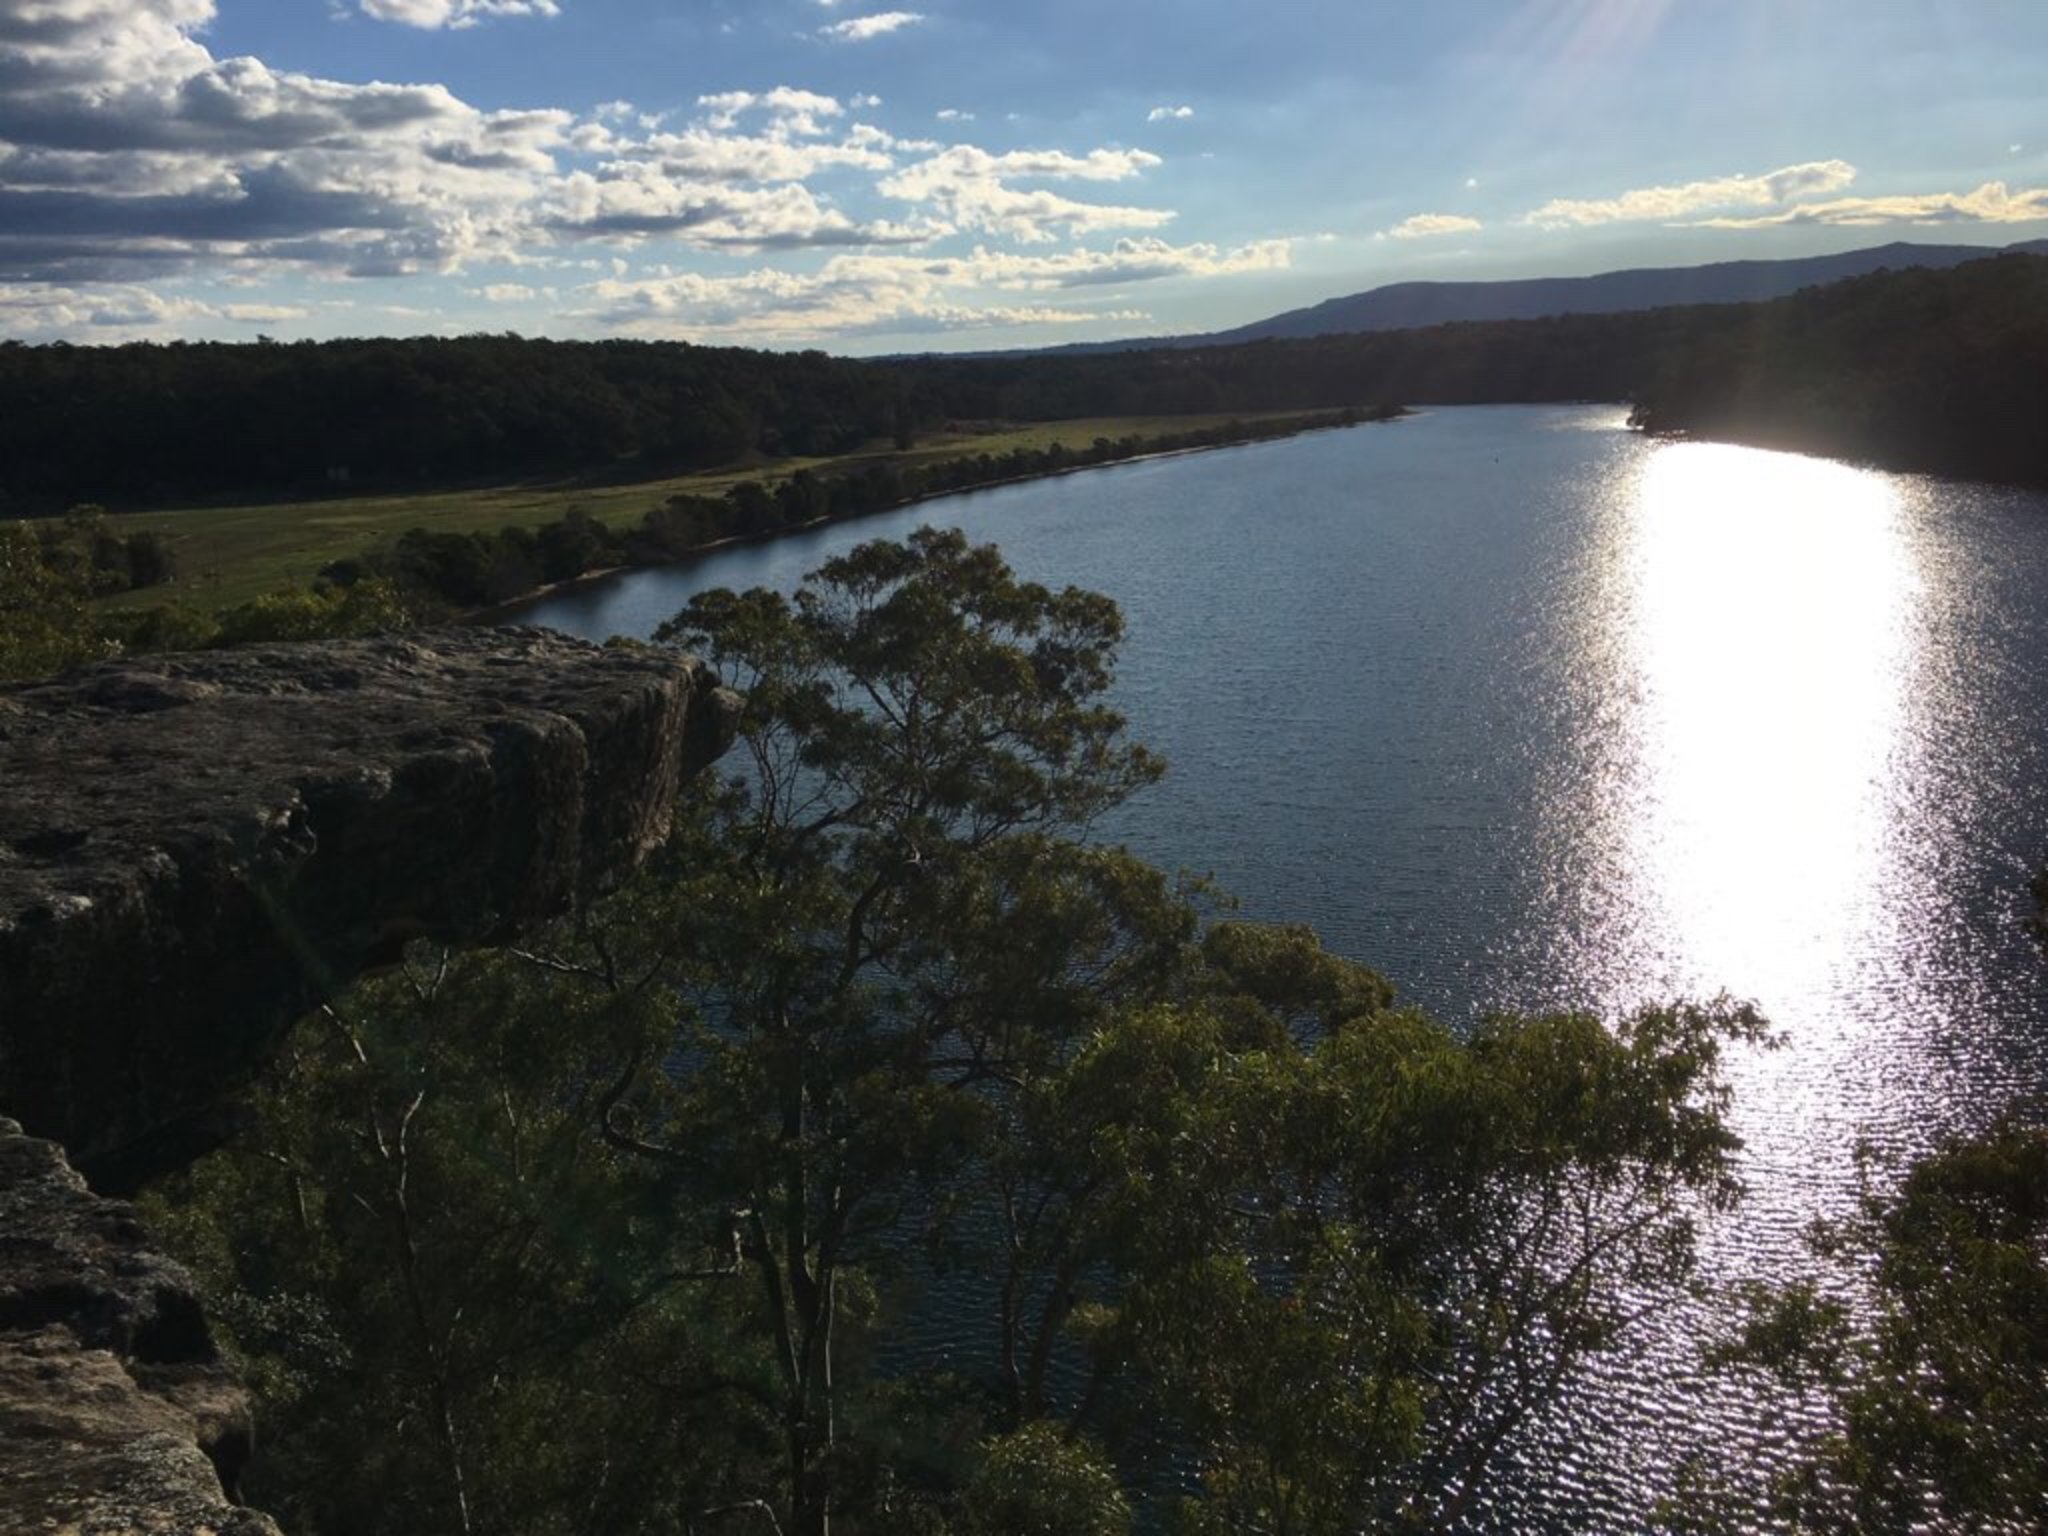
<point x="196" y="849"/>
<point x="117" y="1415"/>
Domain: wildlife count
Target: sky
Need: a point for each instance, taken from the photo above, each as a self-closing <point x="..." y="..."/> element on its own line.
<point x="961" y="174"/>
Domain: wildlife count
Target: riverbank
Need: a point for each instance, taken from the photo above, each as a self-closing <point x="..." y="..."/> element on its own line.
<point x="1914" y="371"/>
<point x="225" y="555"/>
<point x="1827" y="440"/>
<point x="1234" y="434"/>
<point x="487" y="576"/>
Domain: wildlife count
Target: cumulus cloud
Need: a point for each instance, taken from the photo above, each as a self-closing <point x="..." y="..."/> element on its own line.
<point x="633" y="202"/>
<point x="849" y="295"/>
<point x="1425" y="225"/>
<point x="1129" y="260"/>
<point x="859" y="29"/>
<point x="453" y="13"/>
<point x="716" y="186"/>
<point x="133" y="161"/>
<point x="1169" y="114"/>
<point x="971" y="189"/>
<point x="1992" y="203"/>
<point x="1670" y="204"/>
<point x="790" y="112"/>
<point x="868" y="292"/>
<point x="263" y="314"/>
<point x="118" y="312"/>
<point x="144" y="153"/>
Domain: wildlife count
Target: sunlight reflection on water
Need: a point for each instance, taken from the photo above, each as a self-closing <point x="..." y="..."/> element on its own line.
<point x="1770" y="614"/>
<point x="1775" y="800"/>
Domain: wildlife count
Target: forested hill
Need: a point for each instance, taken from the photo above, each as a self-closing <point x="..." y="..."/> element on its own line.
<point x="1937" y="370"/>
<point x="1945" y="372"/>
<point x="1403" y="306"/>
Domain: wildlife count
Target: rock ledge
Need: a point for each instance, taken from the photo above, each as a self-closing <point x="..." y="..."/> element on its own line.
<point x="194" y="850"/>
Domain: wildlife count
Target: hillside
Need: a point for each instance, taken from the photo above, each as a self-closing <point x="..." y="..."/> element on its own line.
<point x="1944" y="371"/>
<point x="1404" y="306"/>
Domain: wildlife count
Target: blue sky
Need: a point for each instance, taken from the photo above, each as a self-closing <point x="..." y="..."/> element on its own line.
<point x="961" y="174"/>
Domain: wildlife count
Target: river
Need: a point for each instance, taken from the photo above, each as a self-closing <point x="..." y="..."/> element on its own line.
<point x="1528" y="711"/>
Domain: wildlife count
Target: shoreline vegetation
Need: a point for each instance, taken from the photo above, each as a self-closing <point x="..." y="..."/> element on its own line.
<point x="1233" y="434"/>
<point x="1916" y="372"/>
<point x="430" y="571"/>
<point x="229" y="553"/>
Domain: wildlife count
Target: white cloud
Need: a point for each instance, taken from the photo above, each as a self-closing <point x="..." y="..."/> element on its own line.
<point x="633" y="201"/>
<point x="1992" y="203"/>
<point x="850" y="295"/>
<point x="868" y="293"/>
<point x="1673" y="203"/>
<point x="970" y="188"/>
<point x="132" y="159"/>
<point x="859" y="29"/>
<point x="789" y="111"/>
<point x="1425" y="225"/>
<point x="115" y="312"/>
<point x="953" y="115"/>
<point x="263" y="314"/>
<point x="453" y="13"/>
<point x="145" y="154"/>
<point x="1169" y="114"/>
<point x="1129" y="260"/>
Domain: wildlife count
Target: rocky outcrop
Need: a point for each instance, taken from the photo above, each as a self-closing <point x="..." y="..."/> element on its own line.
<point x="194" y="850"/>
<point x="116" y="1412"/>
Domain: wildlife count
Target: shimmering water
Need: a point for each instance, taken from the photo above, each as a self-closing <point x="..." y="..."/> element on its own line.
<point x="1527" y="711"/>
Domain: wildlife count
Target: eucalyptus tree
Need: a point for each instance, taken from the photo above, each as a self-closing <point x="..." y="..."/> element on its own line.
<point x="1345" y="1259"/>
<point x="884" y="921"/>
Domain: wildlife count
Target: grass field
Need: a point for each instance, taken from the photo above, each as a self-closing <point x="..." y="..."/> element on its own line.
<point x="227" y="555"/>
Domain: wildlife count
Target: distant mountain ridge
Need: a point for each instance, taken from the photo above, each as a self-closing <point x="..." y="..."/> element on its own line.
<point x="1404" y="306"/>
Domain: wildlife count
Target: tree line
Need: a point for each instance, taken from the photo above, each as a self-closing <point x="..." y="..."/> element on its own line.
<point x="154" y="425"/>
<point x="1919" y="369"/>
<point x="1943" y="372"/>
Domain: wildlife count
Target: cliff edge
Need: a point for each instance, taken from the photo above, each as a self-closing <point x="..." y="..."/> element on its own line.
<point x="194" y="850"/>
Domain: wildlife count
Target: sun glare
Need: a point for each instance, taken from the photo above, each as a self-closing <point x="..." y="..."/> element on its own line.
<point x="1772" y="631"/>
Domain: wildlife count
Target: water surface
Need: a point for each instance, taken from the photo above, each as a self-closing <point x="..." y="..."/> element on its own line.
<point x="1530" y="712"/>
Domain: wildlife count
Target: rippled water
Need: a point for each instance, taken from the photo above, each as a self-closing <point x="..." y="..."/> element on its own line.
<point x="1527" y="711"/>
